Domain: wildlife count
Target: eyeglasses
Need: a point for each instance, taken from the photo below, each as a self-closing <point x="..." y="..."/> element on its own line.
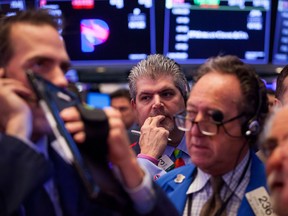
<point x="208" y="128"/>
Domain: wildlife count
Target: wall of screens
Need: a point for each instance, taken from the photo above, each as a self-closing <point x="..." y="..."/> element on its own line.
<point x="280" y="48"/>
<point x="106" y="32"/>
<point x="10" y="7"/>
<point x="197" y="29"/>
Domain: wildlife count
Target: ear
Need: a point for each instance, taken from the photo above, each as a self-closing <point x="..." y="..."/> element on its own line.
<point x="277" y="103"/>
<point x="2" y="73"/>
<point x="133" y="103"/>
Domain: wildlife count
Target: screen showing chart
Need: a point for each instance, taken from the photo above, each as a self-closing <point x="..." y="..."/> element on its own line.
<point x="198" y="29"/>
<point x="106" y="32"/>
<point x="280" y="47"/>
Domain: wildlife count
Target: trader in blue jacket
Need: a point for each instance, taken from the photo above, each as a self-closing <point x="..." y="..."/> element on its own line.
<point x="225" y="112"/>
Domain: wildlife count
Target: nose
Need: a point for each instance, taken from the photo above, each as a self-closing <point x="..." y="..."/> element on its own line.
<point x="157" y="102"/>
<point x="195" y="128"/>
<point x="58" y="78"/>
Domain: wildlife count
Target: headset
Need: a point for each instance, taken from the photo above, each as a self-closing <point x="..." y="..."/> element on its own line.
<point x="252" y="127"/>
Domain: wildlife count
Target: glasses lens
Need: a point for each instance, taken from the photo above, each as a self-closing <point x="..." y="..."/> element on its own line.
<point x="207" y="128"/>
<point x="182" y="123"/>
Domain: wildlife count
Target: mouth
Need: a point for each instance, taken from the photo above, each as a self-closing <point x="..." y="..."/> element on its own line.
<point x="275" y="182"/>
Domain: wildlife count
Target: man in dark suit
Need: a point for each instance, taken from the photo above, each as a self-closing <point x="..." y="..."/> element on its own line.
<point x="30" y="40"/>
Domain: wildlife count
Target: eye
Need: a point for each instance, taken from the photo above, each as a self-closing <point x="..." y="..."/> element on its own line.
<point x="269" y="146"/>
<point x="167" y="94"/>
<point x="145" y="98"/>
<point x="41" y="65"/>
<point x="191" y="114"/>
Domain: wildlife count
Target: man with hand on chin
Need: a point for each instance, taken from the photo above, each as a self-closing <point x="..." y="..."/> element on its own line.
<point x="158" y="89"/>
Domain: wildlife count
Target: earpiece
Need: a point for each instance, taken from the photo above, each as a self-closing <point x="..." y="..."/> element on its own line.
<point x="253" y="126"/>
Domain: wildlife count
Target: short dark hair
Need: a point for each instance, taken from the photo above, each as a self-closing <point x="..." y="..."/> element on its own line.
<point x="255" y="101"/>
<point x="270" y="91"/>
<point x="280" y="88"/>
<point x="121" y="93"/>
<point x="35" y="17"/>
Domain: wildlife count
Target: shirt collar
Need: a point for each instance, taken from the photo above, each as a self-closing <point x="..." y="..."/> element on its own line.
<point x="182" y="146"/>
<point x="231" y="178"/>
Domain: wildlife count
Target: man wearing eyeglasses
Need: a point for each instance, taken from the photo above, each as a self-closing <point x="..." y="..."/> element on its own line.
<point x="224" y="114"/>
<point x="273" y="142"/>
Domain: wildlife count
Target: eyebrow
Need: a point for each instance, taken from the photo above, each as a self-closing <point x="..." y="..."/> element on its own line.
<point x="159" y="91"/>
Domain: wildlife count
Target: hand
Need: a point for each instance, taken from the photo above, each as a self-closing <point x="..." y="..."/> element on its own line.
<point x="74" y="123"/>
<point x="153" y="139"/>
<point x="16" y="116"/>
<point x="120" y="153"/>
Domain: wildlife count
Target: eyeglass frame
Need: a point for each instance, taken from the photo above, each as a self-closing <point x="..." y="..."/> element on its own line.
<point x="218" y="124"/>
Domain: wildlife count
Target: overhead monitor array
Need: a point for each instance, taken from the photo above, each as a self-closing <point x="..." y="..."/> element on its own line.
<point x="106" y="32"/>
<point x="197" y="29"/>
<point x="122" y="32"/>
<point x="280" y="48"/>
<point x="10" y="7"/>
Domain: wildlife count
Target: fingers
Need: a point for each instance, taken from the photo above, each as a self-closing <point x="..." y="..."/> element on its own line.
<point x="80" y="137"/>
<point x="74" y="123"/>
<point x="155" y="120"/>
<point x="70" y="114"/>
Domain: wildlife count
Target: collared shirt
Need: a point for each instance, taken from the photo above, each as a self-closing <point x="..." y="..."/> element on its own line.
<point x="156" y="171"/>
<point x="42" y="147"/>
<point x="201" y="190"/>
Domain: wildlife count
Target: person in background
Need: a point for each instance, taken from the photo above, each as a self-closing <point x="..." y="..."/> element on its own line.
<point x="225" y="112"/>
<point x="273" y="143"/>
<point x="281" y="93"/>
<point x="121" y="100"/>
<point x="159" y="89"/>
<point x="30" y="40"/>
<point x="271" y="98"/>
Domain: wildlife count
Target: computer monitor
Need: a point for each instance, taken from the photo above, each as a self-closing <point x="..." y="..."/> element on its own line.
<point x="106" y="32"/>
<point x="195" y="30"/>
<point x="280" y="44"/>
<point x="10" y="7"/>
<point x="97" y="99"/>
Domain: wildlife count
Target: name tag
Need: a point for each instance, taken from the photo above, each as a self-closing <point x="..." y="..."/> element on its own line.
<point x="165" y="163"/>
<point x="260" y="203"/>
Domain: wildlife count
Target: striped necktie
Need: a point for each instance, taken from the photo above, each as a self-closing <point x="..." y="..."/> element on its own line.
<point x="214" y="203"/>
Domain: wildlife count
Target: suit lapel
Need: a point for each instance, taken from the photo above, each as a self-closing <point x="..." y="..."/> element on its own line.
<point x="257" y="179"/>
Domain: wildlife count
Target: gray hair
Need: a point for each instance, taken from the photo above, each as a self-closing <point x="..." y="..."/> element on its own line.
<point x="153" y="67"/>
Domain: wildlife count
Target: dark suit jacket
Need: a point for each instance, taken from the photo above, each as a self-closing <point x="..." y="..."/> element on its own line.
<point x="22" y="170"/>
<point x="177" y="191"/>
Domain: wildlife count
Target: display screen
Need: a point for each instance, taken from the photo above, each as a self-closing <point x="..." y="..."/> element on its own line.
<point x="97" y="99"/>
<point x="195" y="30"/>
<point x="106" y="32"/>
<point x="10" y="7"/>
<point x="280" y="46"/>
